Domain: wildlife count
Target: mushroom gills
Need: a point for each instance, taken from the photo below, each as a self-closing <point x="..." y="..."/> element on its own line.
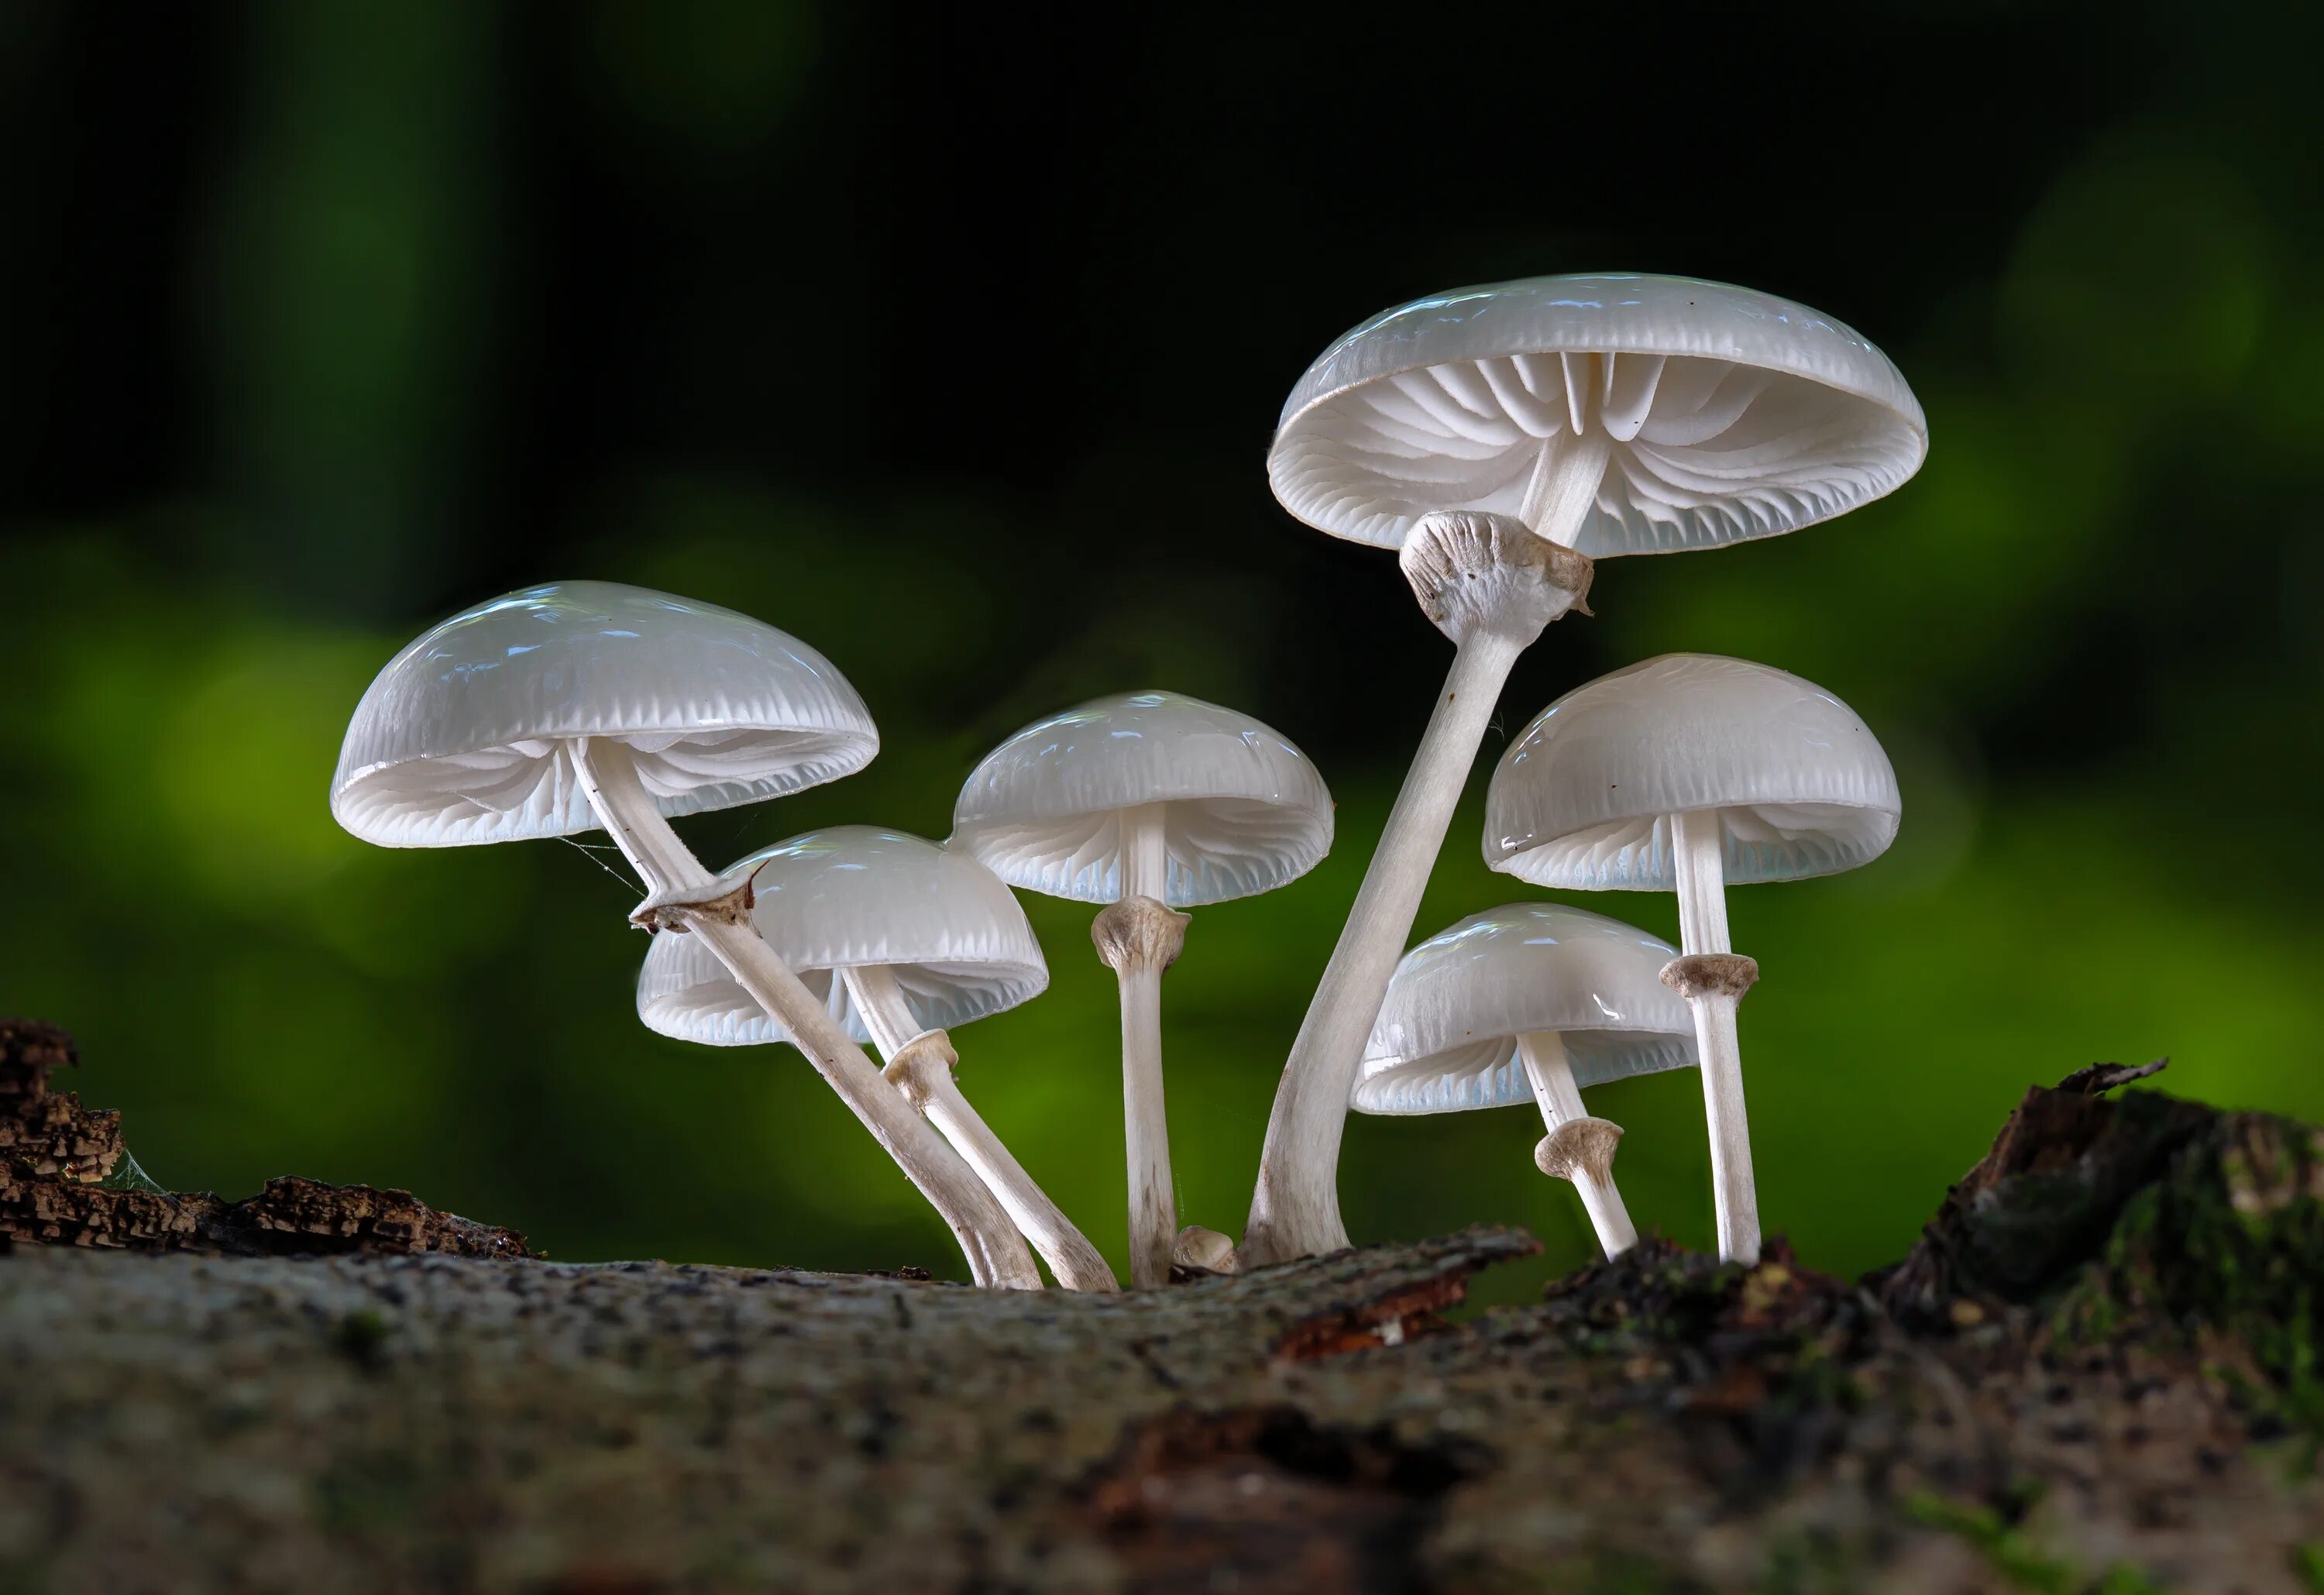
<point x="1690" y="437"/>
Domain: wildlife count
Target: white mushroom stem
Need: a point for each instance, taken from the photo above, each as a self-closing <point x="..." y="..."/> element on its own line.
<point x="921" y="1065"/>
<point x="683" y="895"/>
<point x="1585" y="1159"/>
<point x="1713" y="981"/>
<point x="1140" y="938"/>
<point x="1491" y="585"/>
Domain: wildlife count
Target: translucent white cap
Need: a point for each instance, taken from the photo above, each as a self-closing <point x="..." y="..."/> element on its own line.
<point x="1446" y="1038"/>
<point x="1583" y="798"/>
<point x="459" y="740"/>
<point x="847" y="898"/>
<point x="1244" y="811"/>
<point x="1734" y="414"/>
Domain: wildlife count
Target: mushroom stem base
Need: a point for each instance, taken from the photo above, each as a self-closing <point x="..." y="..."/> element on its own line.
<point x="672" y="875"/>
<point x="922" y="1069"/>
<point x="1294" y="1210"/>
<point x="1140" y="938"/>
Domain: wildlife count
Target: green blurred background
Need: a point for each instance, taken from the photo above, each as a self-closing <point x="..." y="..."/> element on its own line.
<point x="951" y="339"/>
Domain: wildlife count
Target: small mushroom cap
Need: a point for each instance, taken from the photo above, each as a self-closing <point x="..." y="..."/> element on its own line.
<point x="1734" y="414"/>
<point x="847" y="897"/>
<point x="1583" y="798"/>
<point x="458" y="739"/>
<point x="1244" y="810"/>
<point x="1446" y="1038"/>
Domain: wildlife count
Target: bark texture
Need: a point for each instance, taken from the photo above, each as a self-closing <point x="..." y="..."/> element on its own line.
<point x="2095" y="1372"/>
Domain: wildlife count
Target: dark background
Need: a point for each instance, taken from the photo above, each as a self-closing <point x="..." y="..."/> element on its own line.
<point x="951" y="339"/>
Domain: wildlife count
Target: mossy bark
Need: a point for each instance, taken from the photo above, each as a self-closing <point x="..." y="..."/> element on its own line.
<point x="2119" y="1396"/>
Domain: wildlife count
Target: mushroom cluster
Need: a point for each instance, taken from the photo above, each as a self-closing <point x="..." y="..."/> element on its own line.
<point x="1501" y="439"/>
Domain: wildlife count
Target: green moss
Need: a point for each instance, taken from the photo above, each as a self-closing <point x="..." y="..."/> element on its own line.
<point x="2308" y="1566"/>
<point x="1622" y="1574"/>
<point x="1813" y="1564"/>
<point x="2228" y="1244"/>
<point x="367" y="1491"/>
<point x="361" y="1337"/>
<point x="2011" y="1554"/>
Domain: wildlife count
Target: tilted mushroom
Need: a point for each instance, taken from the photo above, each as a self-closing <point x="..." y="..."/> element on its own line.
<point x="1691" y="773"/>
<point x="1146" y="801"/>
<point x="1531" y="1002"/>
<point x="903" y="940"/>
<point x="573" y="705"/>
<point x="1502" y="437"/>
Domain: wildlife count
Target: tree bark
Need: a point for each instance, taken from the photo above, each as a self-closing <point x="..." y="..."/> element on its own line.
<point x="2096" y="1365"/>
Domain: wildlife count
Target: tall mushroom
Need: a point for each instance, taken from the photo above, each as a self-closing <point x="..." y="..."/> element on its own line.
<point x="1691" y="773"/>
<point x="1502" y="437"/>
<point x="573" y="705"/>
<point x="903" y="940"/>
<point x="1530" y="1002"/>
<point x="1147" y="801"/>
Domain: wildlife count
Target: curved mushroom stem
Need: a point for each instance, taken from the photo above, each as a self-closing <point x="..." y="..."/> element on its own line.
<point x="1713" y="981"/>
<point x="921" y="1066"/>
<point x="1491" y="585"/>
<point x="1560" y="1099"/>
<point x="1140" y="938"/>
<point x="683" y="896"/>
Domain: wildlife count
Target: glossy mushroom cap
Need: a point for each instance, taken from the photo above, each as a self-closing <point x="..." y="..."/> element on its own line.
<point x="847" y="897"/>
<point x="1446" y="1038"/>
<point x="1244" y="811"/>
<point x="1734" y="414"/>
<point x="1583" y="798"/>
<point x="457" y="740"/>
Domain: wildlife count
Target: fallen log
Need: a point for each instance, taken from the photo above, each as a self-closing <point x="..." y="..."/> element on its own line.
<point x="2095" y="1371"/>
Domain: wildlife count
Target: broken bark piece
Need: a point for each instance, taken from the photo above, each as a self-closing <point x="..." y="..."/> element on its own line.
<point x="30" y="1051"/>
<point x="54" y="1151"/>
<point x="48" y="1133"/>
<point x="2044" y="1199"/>
<point x="2097" y="1079"/>
<point x="290" y="1216"/>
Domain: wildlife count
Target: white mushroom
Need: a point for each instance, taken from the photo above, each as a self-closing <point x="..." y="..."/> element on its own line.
<point x="1145" y="801"/>
<point x="575" y="705"/>
<point x="903" y="940"/>
<point x="1501" y="437"/>
<point x="1530" y="1002"/>
<point x="1687" y="773"/>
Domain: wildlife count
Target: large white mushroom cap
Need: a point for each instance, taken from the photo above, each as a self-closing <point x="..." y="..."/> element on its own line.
<point x="459" y="738"/>
<point x="852" y="896"/>
<point x="1244" y="811"/>
<point x="1733" y="414"/>
<point x="1583" y="798"/>
<point x="1446" y="1038"/>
